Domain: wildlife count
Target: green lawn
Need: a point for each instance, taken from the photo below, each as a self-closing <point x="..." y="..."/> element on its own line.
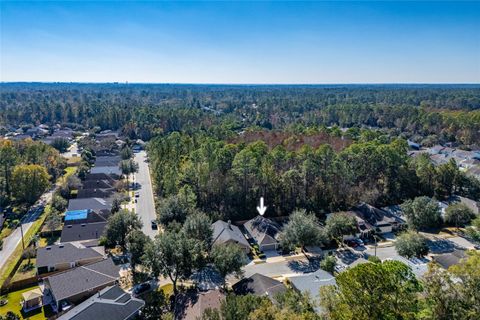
<point x="20" y="274"/>
<point x="14" y="300"/>
<point x="17" y="253"/>
<point x="68" y="172"/>
<point x="48" y="241"/>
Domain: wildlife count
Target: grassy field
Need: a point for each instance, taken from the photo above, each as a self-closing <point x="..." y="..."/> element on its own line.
<point x="14" y="305"/>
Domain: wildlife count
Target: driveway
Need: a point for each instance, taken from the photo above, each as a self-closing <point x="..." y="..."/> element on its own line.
<point x="145" y="206"/>
<point x="281" y="268"/>
<point x="419" y="266"/>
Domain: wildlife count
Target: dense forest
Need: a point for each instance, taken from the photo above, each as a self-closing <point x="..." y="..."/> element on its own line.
<point x="321" y="148"/>
<point x="27" y="168"/>
<point x="228" y="176"/>
<point x="426" y="113"/>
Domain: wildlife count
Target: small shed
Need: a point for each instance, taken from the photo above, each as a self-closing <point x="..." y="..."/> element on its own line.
<point x="32" y="300"/>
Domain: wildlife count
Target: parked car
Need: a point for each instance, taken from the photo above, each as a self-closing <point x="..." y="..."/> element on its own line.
<point x="141" y="288"/>
<point x="359" y="241"/>
<point x="137" y="194"/>
<point x="154" y="225"/>
<point x="351" y="243"/>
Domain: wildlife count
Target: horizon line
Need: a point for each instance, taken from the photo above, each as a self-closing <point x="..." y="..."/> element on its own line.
<point x="241" y="83"/>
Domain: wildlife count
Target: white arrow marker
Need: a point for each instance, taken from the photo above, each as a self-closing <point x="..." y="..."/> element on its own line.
<point x="262" y="208"/>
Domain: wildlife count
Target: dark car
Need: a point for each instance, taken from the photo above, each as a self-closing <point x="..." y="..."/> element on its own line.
<point x="358" y="241"/>
<point x="142" y="288"/>
<point x="154" y="225"/>
<point x="351" y="243"/>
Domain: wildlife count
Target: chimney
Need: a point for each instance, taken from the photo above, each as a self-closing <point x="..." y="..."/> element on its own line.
<point x="229" y="224"/>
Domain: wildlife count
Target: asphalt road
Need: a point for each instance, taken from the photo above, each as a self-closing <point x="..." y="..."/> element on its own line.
<point x="14" y="239"/>
<point x="145" y="206"/>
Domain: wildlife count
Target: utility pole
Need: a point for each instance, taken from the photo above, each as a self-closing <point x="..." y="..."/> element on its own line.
<point x="375" y="237"/>
<point x="21" y="230"/>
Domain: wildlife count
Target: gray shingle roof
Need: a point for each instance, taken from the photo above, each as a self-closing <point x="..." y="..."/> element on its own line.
<point x="110" y="303"/>
<point x="374" y="216"/>
<point x="449" y="259"/>
<point x="82" y="279"/>
<point x="312" y="282"/>
<point x="191" y="305"/>
<point x="64" y="253"/>
<point x="106" y="169"/>
<point x="224" y="232"/>
<point x="259" y="285"/>
<point x="89" y="203"/>
<point x="107" y="161"/>
<point x="82" y="231"/>
<point x="263" y="230"/>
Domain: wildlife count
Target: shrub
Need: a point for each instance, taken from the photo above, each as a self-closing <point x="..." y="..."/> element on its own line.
<point x="458" y="215"/>
<point x="328" y="264"/>
<point x="411" y="244"/>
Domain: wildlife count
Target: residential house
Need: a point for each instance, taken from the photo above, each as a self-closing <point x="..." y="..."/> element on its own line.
<point x="107" y="165"/>
<point x="89" y="203"/>
<point x="312" y="282"/>
<point x="86" y="216"/>
<point x="107" y="161"/>
<point x="449" y="259"/>
<point x="97" y="182"/>
<point x="36" y="132"/>
<point x="112" y="170"/>
<point x="191" y="305"/>
<point x="75" y="285"/>
<point x="207" y="278"/>
<point x="382" y="221"/>
<point x="75" y="232"/>
<point x="364" y="228"/>
<point x="259" y="285"/>
<point x="469" y="203"/>
<point x="63" y="134"/>
<point x="103" y="193"/>
<point x="225" y="232"/>
<point x="19" y="137"/>
<point x="106" y="135"/>
<point x="264" y="232"/>
<point x="65" y="256"/>
<point x="110" y="303"/>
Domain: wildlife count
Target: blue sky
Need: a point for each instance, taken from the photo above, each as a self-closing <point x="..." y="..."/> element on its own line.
<point x="241" y="42"/>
